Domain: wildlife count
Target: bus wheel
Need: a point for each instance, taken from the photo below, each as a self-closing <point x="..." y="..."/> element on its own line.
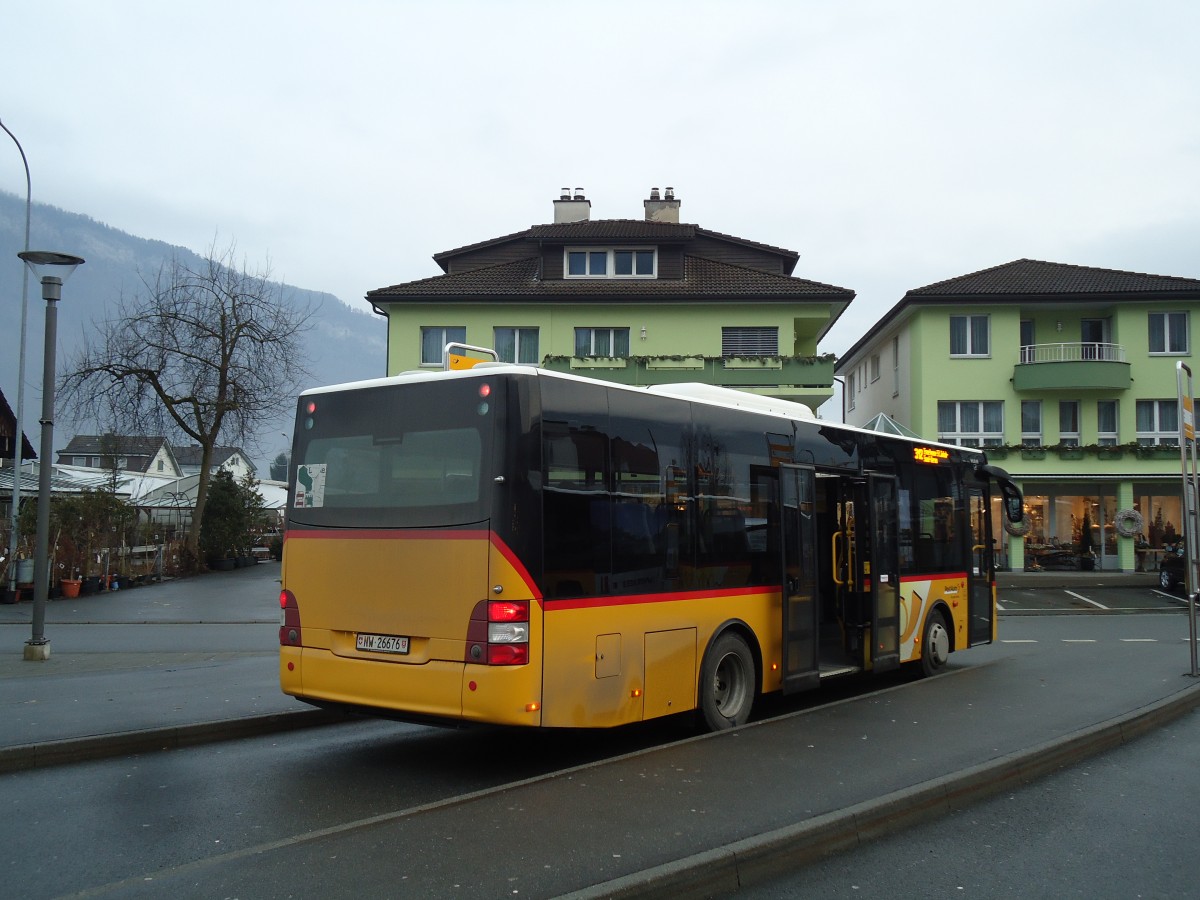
<point x="935" y="647"/>
<point x="727" y="683"/>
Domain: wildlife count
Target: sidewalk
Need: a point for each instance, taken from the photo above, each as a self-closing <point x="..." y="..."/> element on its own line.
<point x="1074" y="580"/>
<point x="185" y="661"/>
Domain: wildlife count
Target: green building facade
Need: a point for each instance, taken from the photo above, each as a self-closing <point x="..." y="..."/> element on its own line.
<point x="635" y="301"/>
<point x="1067" y="376"/>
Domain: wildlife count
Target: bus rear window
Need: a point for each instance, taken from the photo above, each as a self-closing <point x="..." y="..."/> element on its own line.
<point x="411" y="455"/>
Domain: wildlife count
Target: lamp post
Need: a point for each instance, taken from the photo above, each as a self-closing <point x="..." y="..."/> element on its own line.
<point x="38" y="646"/>
<point x="15" y="512"/>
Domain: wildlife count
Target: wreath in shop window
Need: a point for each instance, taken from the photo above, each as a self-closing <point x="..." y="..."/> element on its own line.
<point x="1128" y="523"/>
<point x="1018" y="529"/>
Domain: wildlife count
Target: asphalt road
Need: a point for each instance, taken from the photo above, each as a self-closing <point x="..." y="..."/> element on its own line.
<point x="1121" y="825"/>
<point x="399" y="810"/>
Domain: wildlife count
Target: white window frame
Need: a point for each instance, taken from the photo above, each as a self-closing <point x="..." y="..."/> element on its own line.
<point x="850" y="379"/>
<point x="1031" y="437"/>
<point x="874" y="367"/>
<point x="971" y="437"/>
<point x="612" y="331"/>
<point x="895" y="367"/>
<point x="521" y="335"/>
<point x="1158" y="324"/>
<point x="1066" y="437"/>
<point x="610" y="262"/>
<point x="1108" y="438"/>
<point x="750" y="340"/>
<point x="441" y="346"/>
<point x="1157" y="435"/>
<point x="971" y="350"/>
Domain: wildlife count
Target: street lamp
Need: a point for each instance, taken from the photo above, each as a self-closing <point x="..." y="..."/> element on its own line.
<point x="20" y="429"/>
<point x="38" y="646"/>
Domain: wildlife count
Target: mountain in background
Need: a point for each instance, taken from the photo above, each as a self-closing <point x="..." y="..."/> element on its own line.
<point x="344" y="344"/>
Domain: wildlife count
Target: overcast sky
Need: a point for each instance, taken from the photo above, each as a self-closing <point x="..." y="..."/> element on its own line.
<point x="891" y="144"/>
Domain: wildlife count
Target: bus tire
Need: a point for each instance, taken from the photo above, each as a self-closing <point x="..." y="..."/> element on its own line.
<point x="727" y="683"/>
<point x="935" y="645"/>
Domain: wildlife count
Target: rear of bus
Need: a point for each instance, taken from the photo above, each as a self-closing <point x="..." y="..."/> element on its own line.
<point x="402" y="593"/>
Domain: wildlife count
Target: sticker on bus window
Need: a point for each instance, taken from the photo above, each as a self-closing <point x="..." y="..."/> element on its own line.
<point x="310" y="486"/>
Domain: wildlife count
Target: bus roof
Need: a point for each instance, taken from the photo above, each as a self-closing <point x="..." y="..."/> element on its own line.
<point x="709" y="395"/>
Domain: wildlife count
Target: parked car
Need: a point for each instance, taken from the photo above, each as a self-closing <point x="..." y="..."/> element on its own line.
<point x="1172" y="569"/>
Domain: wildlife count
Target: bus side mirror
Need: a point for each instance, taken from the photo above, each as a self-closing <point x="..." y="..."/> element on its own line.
<point x="1014" y="503"/>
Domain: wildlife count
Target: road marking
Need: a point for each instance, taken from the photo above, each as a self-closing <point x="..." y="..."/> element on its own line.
<point x="1086" y="600"/>
<point x="1139" y="640"/>
<point x="1078" y="641"/>
<point x="1016" y="641"/>
<point x="1174" y="597"/>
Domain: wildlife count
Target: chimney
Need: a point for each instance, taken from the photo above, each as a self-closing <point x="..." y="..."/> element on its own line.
<point x="568" y="208"/>
<point x="665" y="209"/>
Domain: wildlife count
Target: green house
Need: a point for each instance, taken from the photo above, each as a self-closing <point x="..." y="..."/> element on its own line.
<point x="1067" y="375"/>
<point x="636" y="301"/>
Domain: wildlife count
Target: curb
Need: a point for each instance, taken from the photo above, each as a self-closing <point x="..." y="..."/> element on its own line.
<point x="101" y="746"/>
<point x="724" y="870"/>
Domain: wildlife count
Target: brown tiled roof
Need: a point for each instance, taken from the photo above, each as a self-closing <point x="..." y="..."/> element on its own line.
<point x="9" y="431"/>
<point x="613" y="230"/>
<point x="1026" y="277"/>
<point x="123" y="445"/>
<point x="1031" y="280"/>
<point x="701" y="278"/>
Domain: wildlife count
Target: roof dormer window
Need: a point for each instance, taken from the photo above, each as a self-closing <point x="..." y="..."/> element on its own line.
<point x="615" y="262"/>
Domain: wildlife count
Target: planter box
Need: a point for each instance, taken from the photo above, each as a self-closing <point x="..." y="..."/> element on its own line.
<point x="1110" y="453"/>
<point x="598" y="362"/>
<point x="1033" y="453"/>
<point x="690" y="362"/>
<point x="1070" y="453"/>
<point x="996" y="452"/>
<point x="735" y="363"/>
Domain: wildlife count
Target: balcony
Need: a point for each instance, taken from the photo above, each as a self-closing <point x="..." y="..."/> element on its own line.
<point x="804" y="379"/>
<point x="1074" y="366"/>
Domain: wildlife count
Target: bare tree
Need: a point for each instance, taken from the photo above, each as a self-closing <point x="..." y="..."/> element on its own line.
<point x="209" y="352"/>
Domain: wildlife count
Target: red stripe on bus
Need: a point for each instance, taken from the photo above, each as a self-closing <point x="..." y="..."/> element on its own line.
<point x="518" y="567"/>
<point x="934" y="576"/>
<point x="672" y="597"/>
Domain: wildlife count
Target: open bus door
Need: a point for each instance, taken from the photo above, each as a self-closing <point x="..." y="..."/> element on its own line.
<point x="884" y="572"/>
<point x="980" y="608"/>
<point x="799" y="533"/>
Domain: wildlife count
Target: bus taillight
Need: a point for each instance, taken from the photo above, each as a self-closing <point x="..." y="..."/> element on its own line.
<point x="508" y="632"/>
<point x="289" y="620"/>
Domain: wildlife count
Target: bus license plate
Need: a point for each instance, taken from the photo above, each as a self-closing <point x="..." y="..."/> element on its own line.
<point x="382" y="643"/>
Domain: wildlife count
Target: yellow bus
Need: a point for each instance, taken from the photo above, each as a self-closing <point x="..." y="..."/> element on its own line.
<point x="504" y="544"/>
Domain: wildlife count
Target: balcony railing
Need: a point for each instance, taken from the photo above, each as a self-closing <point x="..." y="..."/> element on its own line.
<point x="1085" y="366"/>
<point x="1072" y="352"/>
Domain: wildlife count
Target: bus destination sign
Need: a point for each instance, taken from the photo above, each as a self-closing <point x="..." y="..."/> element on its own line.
<point x="930" y="455"/>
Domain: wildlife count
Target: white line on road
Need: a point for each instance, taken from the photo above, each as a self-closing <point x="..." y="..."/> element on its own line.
<point x="1086" y="600"/>
<point x="1078" y="641"/>
<point x="1015" y="641"/>
<point x="1139" y="640"/>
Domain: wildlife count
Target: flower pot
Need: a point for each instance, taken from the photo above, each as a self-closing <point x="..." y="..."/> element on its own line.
<point x="70" y="587"/>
